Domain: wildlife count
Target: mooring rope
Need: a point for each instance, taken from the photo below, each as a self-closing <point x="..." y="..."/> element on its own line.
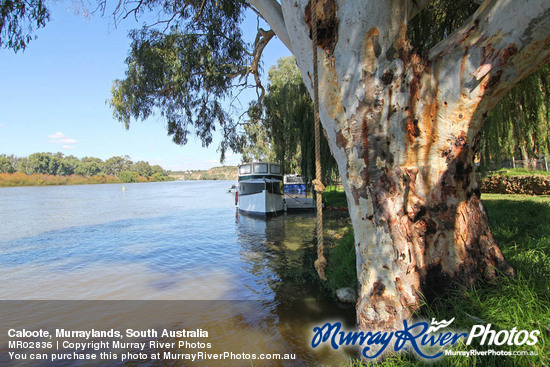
<point x="321" y="262"/>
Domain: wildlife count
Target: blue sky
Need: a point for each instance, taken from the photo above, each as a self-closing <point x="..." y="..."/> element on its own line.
<point x="53" y="96"/>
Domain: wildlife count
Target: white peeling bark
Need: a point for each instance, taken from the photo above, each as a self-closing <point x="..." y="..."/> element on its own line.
<point x="404" y="131"/>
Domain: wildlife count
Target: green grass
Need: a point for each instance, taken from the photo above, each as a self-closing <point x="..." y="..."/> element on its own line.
<point x="341" y="271"/>
<point x="521" y="226"/>
<point x="335" y="196"/>
<point x="519" y="172"/>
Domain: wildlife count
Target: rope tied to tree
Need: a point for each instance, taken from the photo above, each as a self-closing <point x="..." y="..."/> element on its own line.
<point x="321" y="261"/>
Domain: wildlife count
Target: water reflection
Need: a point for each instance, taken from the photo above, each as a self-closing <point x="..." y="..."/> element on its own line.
<point x="273" y="247"/>
<point x="160" y="242"/>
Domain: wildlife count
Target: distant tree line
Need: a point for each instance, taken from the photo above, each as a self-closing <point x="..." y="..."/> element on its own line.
<point x="60" y="165"/>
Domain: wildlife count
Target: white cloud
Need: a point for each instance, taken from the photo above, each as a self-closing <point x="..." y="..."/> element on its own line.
<point x="60" y="138"/>
<point x="2" y="125"/>
<point x="68" y="147"/>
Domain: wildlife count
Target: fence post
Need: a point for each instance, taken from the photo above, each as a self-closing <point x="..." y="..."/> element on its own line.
<point x="545" y="163"/>
<point x="513" y="162"/>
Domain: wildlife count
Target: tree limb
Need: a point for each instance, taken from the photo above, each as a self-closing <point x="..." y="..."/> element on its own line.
<point x="262" y="39"/>
<point x="272" y="12"/>
<point x="199" y="13"/>
<point x="503" y="42"/>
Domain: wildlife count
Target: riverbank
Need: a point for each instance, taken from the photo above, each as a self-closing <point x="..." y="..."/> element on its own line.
<point x="520" y="225"/>
<point x="214" y="173"/>
<point x="21" y="179"/>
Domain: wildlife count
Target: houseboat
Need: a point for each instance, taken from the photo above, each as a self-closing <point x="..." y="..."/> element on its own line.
<point x="293" y="183"/>
<point x="260" y="188"/>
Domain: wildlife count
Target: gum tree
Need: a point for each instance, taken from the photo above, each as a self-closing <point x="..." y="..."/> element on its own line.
<point x="403" y="126"/>
<point x="404" y="129"/>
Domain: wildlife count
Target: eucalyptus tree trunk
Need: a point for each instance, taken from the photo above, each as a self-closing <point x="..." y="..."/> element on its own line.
<point x="404" y="129"/>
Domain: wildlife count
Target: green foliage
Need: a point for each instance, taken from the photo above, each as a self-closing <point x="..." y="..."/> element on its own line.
<point x="335" y="196"/>
<point x="127" y="176"/>
<point x="186" y="73"/>
<point x="257" y="144"/>
<point x="437" y="21"/>
<point x="519" y="126"/>
<point x="341" y="268"/>
<point x="159" y="177"/>
<point x="88" y="168"/>
<point x="6" y="165"/>
<point x="40" y="163"/>
<point x="520" y="172"/>
<point x="142" y="168"/>
<point x="18" y="19"/>
<point x="48" y="164"/>
<point x="284" y="130"/>
<point x="115" y="165"/>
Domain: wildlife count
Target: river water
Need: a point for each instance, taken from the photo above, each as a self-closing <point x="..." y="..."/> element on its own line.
<point x="172" y="254"/>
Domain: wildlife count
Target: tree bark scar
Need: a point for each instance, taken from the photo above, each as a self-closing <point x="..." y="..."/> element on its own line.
<point x="327" y="24"/>
<point x="378" y="288"/>
<point x="412" y="129"/>
<point x="417" y="67"/>
<point x="341" y="140"/>
<point x="370" y="50"/>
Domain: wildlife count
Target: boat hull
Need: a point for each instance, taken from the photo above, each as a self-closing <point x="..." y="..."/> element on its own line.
<point x="261" y="203"/>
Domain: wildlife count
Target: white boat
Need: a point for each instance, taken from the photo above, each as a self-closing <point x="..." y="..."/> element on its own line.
<point x="260" y="189"/>
<point x="293" y="183"/>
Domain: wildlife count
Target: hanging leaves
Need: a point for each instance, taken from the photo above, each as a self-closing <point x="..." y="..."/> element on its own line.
<point x="18" y="20"/>
<point x="186" y="74"/>
<point x="286" y="121"/>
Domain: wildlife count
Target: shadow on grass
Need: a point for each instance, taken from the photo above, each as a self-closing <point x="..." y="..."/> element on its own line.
<point x="521" y="227"/>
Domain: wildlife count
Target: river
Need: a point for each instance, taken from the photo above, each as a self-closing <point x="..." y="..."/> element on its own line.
<point x="162" y="255"/>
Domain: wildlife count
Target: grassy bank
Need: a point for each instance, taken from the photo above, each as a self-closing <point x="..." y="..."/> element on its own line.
<point x="521" y="226"/>
<point x="21" y="179"/>
<point x="519" y="172"/>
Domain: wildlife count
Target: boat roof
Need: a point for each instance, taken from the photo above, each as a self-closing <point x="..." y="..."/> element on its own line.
<point x="244" y="164"/>
<point x="260" y="180"/>
<point x="260" y="169"/>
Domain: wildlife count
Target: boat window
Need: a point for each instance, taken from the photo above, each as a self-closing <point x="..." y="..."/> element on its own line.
<point x="275" y="168"/>
<point x="275" y="187"/>
<point x="260" y="168"/>
<point x="251" y="188"/>
<point x="243" y="170"/>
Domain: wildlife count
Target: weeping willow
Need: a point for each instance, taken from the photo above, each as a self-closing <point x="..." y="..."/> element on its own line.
<point x="283" y="130"/>
<point x="519" y="126"/>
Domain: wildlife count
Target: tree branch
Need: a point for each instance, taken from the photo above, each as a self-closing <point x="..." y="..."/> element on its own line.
<point x="502" y="43"/>
<point x="262" y="39"/>
<point x="272" y="12"/>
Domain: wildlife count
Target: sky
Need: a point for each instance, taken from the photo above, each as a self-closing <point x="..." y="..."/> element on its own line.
<point x="53" y="96"/>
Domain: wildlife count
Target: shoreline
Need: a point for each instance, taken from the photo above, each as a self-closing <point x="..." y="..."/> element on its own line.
<point x="18" y="179"/>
